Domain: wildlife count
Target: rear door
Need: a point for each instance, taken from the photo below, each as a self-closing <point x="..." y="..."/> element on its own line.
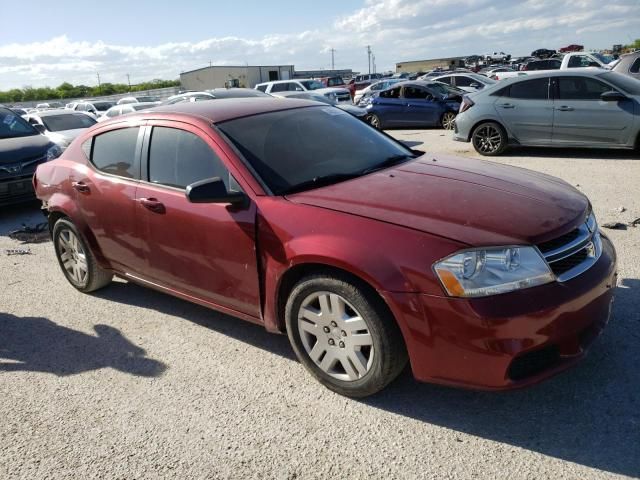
<point x="581" y="118"/>
<point x="204" y="250"/>
<point x="390" y="106"/>
<point x="526" y="110"/>
<point x="105" y="194"/>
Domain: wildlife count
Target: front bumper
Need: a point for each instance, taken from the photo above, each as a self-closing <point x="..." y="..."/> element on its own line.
<point x="510" y="340"/>
<point x="16" y="190"/>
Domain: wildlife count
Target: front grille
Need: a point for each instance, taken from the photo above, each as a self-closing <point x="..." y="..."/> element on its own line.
<point x="574" y="252"/>
<point x="532" y="363"/>
<point x="23" y="168"/>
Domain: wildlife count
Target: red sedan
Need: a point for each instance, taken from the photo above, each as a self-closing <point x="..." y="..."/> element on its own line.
<point x="299" y="217"/>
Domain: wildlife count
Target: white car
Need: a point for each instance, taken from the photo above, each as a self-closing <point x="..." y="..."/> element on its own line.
<point x="498" y="57"/>
<point x="61" y="126"/>
<point x="95" y="108"/>
<point x="469" y="82"/>
<point x="375" y="87"/>
<point x="118" y="110"/>
<point x="340" y="95"/>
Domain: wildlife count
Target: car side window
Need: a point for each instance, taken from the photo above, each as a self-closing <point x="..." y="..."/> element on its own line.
<point x="635" y="67"/>
<point x="115" y="152"/>
<point x="537" y="89"/>
<point x="279" y="87"/>
<point x="417" y="93"/>
<point x="178" y="158"/>
<point x="262" y="88"/>
<point x="445" y="80"/>
<point x="465" y="81"/>
<point x="581" y="88"/>
<point x="578" y="61"/>
<point x="391" y="93"/>
<point x="295" y="87"/>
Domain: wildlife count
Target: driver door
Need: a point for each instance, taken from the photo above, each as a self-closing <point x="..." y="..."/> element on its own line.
<point x="203" y="250"/>
<point x="420" y="107"/>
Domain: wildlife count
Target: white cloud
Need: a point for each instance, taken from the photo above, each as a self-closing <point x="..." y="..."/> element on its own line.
<point x="397" y="30"/>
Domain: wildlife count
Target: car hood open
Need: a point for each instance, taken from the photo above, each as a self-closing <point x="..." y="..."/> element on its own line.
<point x="472" y="201"/>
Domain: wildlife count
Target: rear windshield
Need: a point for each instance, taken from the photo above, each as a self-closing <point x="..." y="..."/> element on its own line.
<point x="67" y="121"/>
<point x="312" y="84"/>
<point x="12" y="125"/>
<point x="291" y="148"/>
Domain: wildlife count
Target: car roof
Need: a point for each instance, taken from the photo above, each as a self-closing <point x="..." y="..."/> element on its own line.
<point x="229" y="108"/>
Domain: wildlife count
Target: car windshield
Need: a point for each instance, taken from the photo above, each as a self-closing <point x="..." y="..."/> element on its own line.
<point x="67" y="121"/>
<point x="12" y="125"/>
<point x="103" y="106"/>
<point x="623" y="82"/>
<point x="603" y="58"/>
<point x="312" y="84"/>
<point x="306" y="148"/>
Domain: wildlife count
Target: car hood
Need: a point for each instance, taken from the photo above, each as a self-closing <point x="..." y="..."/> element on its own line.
<point x="471" y="201"/>
<point x="19" y="149"/>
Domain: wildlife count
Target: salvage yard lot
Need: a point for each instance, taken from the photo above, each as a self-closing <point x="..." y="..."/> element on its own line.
<point x="131" y="383"/>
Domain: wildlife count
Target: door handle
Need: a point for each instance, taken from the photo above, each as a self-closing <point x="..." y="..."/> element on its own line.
<point x="81" y="187"/>
<point x="152" y="204"/>
<point x="565" y="108"/>
<point x="507" y="105"/>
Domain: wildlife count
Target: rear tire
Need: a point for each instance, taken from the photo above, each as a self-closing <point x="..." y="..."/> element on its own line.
<point x="489" y="139"/>
<point x="447" y="121"/>
<point x="76" y="259"/>
<point x="344" y="335"/>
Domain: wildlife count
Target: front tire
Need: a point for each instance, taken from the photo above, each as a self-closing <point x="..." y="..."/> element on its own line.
<point x="76" y="260"/>
<point x="375" y="121"/>
<point x="489" y="139"/>
<point x="344" y="335"/>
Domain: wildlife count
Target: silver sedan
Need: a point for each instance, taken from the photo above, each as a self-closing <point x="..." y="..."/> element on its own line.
<point x="595" y="108"/>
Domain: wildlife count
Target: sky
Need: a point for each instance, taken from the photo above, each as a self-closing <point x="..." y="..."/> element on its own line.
<point x="70" y="40"/>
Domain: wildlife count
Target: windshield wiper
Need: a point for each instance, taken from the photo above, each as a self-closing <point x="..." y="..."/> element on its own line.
<point x="320" y="181"/>
<point x="388" y="162"/>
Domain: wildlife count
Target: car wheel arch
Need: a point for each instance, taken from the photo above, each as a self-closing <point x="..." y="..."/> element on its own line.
<point x="489" y="119"/>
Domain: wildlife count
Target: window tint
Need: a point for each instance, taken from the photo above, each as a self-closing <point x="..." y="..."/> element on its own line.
<point x="114" y="152"/>
<point x="537" y="89"/>
<point x="262" y="88"/>
<point x="445" y="80"/>
<point x="391" y="93"/>
<point x="416" y="92"/>
<point x="465" y="81"/>
<point x="635" y="68"/>
<point x="581" y="88"/>
<point x="294" y="87"/>
<point x="67" y="121"/>
<point x="279" y="87"/>
<point x="178" y="158"/>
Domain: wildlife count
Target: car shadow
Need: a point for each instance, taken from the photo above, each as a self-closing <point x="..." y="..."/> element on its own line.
<point x="36" y="344"/>
<point x="573" y="153"/>
<point x="12" y="217"/>
<point x="255" y="335"/>
<point x="589" y="415"/>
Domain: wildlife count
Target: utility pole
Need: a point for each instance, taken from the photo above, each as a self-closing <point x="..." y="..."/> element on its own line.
<point x="373" y="61"/>
<point x="369" y="56"/>
<point x="333" y="67"/>
<point x="129" y="82"/>
<point x="99" y="85"/>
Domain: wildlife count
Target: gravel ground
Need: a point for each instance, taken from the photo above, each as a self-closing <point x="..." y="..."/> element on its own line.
<point x="130" y="383"/>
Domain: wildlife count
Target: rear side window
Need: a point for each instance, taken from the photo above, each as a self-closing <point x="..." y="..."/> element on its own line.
<point x="581" y="88"/>
<point x="445" y="80"/>
<point x="465" y="82"/>
<point x="115" y="152"/>
<point x="416" y="92"/>
<point x="279" y="87"/>
<point x="178" y="158"/>
<point x="537" y="89"/>
<point x="262" y="88"/>
<point x="391" y="93"/>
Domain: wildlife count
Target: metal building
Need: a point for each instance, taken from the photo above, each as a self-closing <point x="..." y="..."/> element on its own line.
<point x="247" y="76"/>
<point x="426" y="65"/>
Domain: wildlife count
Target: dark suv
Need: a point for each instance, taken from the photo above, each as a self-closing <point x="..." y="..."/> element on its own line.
<point x="22" y="149"/>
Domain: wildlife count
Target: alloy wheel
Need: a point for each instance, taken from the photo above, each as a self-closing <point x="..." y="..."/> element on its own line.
<point x="487" y="139"/>
<point x="72" y="256"/>
<point x="375" y="121"/>
<point x="335" y="336"/>
<point x="448" y="120"/>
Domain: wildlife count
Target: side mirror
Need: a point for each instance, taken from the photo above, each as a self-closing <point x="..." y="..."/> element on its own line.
<point x="39" y="127"/>
<point x="213" y="190"/>
<point x="612" y="96"/>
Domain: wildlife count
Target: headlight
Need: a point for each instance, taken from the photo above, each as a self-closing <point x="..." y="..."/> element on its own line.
<point x="491" y="271"/>
<point x="54" y="152"/>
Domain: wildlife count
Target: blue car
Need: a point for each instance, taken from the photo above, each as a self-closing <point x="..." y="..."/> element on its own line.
<point x="414" y="104"/>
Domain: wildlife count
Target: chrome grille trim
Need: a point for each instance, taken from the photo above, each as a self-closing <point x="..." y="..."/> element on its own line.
<point x="588" y="239"/>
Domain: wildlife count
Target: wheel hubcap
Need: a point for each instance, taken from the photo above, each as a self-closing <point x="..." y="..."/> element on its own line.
<point x="487" y="139"/>
<point x="375" y="121"/>
<point x="72" y="256"/>
<point x="346" y="351"/>
<point x="447" y="121"/>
